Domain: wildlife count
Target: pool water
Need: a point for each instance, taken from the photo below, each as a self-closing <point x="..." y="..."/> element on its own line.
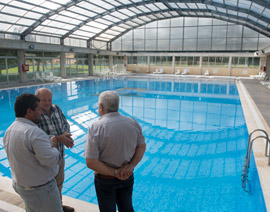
<point x="196" y="142"/>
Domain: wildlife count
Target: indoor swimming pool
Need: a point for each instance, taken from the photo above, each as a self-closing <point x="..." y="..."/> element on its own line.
<point x="195" y="133"/>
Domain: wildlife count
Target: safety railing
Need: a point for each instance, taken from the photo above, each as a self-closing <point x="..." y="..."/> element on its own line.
<point x="246" y="166"/>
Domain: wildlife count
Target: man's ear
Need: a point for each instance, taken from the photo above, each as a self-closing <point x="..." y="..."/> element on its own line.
<point x="28" y="113"/>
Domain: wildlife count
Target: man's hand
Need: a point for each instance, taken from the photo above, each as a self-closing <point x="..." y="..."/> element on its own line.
<point x="65" y="139"/>
<point x="125" y="172"/>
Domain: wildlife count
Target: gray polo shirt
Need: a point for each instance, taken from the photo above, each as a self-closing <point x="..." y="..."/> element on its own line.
<point x="113" y="139"/>
<point x="33" y="160"/>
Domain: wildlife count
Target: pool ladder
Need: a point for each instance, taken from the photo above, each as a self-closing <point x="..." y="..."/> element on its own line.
<point x="244" y="177"/>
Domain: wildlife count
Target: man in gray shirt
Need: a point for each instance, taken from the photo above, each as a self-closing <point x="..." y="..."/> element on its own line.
<point x="114" y="146"/>
<point x="32" y="158"/>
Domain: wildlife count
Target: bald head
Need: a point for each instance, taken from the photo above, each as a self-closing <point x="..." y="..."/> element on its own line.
<point x="45" y="96"/>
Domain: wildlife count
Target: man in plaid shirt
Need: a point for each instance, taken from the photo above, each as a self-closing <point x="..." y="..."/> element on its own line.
<point x="54" y="123"/>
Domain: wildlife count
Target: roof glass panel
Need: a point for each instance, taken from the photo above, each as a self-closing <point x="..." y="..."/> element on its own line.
<point x="117" y="28"/>
<point x="104" y="35"/>
<point x="103" y="21"/>
<point x="97" y="25"/>
<point x="137" y="20"/>
<point x="152" y="7"/>
<point x="231" y="12"/>
<point x="4" y="27"/>
<point x="124" y="26"/>
<point x="82" y="11"/>
<point x="266" y="13"/>
<point x="131" y="23"/>
<point x="111" y="18"/>
<point x="114" y="3"/>
<point x="119" y="15"/>
<point x="127" y="12"/>
<point x="144" y="9"/>
<point x="90" y="29"/>
<point x="102" y="39"/>
<point x="201" y="6"/>
<point x="50" y="5"/>
<point x="61" y="1"/>
<point x="167" y="14"/>
<point x="135" y="10"/>
<point x="23" y="5"/>
<point x="112" y="32"/>
<point x="145" y="18"/>
<point x="159" y="15"/>
<point x="33" y="15"/>
<point x="252" y="18"/>
<point x="182" y="5"/>
<point x="262" y="23"/>
<point x="8" y="18"/>
<point x="256" y="8"/>
<point x="25" y="21"/>
<point x="65" y="19"/>
<point x="125" y="2"/>
<point x="83" y="33"/>
<point x="232" y="3"/>
<point x="161" y="6"/>
<point x="103" y="4"/>
<point x="244" y="4"/>
<point x="244" y="15"/>
<point x="192" y="6"/>
<point x="211" y="7"/>
<point x="173" y="5"/>
<point x="13" y="10"/>
<point x="71" y="14"/>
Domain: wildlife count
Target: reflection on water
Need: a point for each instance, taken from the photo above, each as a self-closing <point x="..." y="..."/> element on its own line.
<point x="196" y="141"/>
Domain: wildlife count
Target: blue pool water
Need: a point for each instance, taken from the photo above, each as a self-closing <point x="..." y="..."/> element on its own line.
<point x="196" y="142"/>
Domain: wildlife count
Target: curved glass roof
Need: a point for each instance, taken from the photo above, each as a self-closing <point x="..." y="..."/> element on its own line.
<point x="106" y="20"/>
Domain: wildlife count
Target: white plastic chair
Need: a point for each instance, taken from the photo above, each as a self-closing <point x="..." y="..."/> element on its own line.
<point x="262" y="76"/>
<point x="44" y="77"/>
<point x="156" y="72"/>
<point x="206" y="73"/>
<point x="185" y="72"/>
<point x="53" y="78"/>
<point x="161" y="71"/>
<point x="38" y="77"/>
<point x="178" y="72"/>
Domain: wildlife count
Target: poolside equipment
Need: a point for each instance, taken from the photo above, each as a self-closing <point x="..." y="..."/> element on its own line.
<point x="246" y="166"/>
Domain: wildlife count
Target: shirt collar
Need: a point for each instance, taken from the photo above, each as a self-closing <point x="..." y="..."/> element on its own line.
<point x="52" y="110"/>
<point x="111" y="114"/>
<point x="24" y="120"/>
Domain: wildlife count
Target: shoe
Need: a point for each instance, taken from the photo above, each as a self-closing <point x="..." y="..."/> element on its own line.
<point x="67" y="208"/>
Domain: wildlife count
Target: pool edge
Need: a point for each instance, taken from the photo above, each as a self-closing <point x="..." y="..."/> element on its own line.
<point x="255" y="120"/>
<point x="6" y="186"/>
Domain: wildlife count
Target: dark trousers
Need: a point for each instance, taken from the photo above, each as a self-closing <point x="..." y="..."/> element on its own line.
<point x="112" y="192"/>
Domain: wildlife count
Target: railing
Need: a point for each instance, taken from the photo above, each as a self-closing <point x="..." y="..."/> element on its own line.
<point x="248" y="155"/>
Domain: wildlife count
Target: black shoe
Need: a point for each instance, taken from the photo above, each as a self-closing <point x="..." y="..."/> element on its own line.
<point x="67" y="208"/>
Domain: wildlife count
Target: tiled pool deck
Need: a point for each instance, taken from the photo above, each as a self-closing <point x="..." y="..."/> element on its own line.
<point x="257" y="115"/>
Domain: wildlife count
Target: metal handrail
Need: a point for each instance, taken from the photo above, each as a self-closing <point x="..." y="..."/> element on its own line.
<point x="244" y="176"/>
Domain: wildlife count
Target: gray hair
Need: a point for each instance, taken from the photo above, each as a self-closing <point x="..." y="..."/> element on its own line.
<point x="109" y="101"/>
<point x="40" y="90"/>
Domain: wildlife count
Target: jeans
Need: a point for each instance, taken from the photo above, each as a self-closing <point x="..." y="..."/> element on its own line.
<point x="112" y="192"/>
<point x="44" y="198"/>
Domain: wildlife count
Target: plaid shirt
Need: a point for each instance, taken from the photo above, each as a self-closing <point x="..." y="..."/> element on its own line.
<point x="55" y="125"/>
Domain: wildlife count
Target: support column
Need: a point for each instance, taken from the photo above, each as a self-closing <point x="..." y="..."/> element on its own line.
<point x="173" y="64"/>
<point x="148" y="64"/>
<point x="63" y="70"/>
<point x="267" y="68"/>
<point x="111" y="63"/>
<point x="21" y="61"/>
<point x="200" y="65"/>
<point x="90" y="65"/>
<point x="230" y="66"/>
